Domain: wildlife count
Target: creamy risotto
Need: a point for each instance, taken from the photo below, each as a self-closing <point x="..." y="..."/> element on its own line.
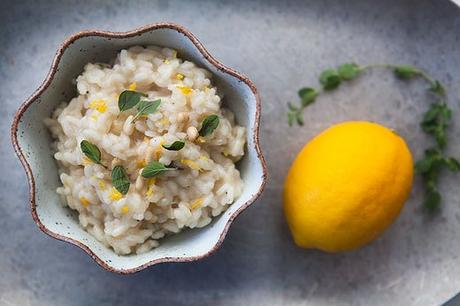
<point x="145" y="149"/>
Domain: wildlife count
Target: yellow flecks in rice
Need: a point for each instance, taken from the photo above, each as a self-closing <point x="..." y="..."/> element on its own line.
<point x="149" y="191"/>
<point x="146" y="139"/>
<point x="98" y="105"/>
<point x="84" y="201"/>
<point x="174" y="54"/>
<point x="115" y="195"/>
<point x="226" y="153"/>
<point x="86" y="161"/>
<point x="125" y="209"/>
<point x="151" y="183"/>
<point x="94" y="117"/>
<point x="141" y="163"/>
<point x="101" y="184"/>
<point x="197" y="203"/>
<point x="166" y="61"/>
<point x="164" y="121"/>
<point x="191" y="164"/>
<point x="132" y="86"/>
<point x="202" y="157"/>
<point x="185" y="89"/>
<point x="206" y="88"/>
<point x="159" y="149"/>
<point x="200" y="139"/>
<point x="180" y="76"/>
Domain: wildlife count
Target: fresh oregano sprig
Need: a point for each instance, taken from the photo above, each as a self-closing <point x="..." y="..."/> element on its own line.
<point x="435" y="121"/>
<point x="129" y="99"/>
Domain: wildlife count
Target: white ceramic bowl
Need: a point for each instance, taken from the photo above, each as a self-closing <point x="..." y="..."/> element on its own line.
<point x="32" y="144"/>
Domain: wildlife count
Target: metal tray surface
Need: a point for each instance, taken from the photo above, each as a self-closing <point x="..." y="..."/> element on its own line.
<point x="281" y="46"/>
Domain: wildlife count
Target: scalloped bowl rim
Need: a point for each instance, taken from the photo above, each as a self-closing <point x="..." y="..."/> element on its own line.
<point x="47" y="82"/>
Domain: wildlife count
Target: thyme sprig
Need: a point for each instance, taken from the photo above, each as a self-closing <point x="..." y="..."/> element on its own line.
<point x="435" y="121"/>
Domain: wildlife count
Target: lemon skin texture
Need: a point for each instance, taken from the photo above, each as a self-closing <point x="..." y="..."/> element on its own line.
<point x="346" y="186"/>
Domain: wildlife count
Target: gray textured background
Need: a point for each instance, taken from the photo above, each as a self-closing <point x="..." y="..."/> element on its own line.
<point x="281" y="45"/>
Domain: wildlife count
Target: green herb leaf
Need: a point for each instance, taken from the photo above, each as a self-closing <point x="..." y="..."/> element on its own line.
<point x="404" y="72"/>
<point x="209" y="124"/>
<point x="440" y="136"/>
<point x="330" y="79"/>
<point x="307" y="96"/>
<point x="292" y="107"/>
<point x="424" y="165"/>
<point x="175" y="146"/>
<point x="436" y="120"/>
<point x="91" y="151"/>
<point x="120" y="179"/>
<point x="348" y="71"/>
<point x="291" y="118"/>
<point x="432" y="200"/>
<point x="432" y="113"/>
<point x="128" y="99"/>
<point x="452" y="164"/>
<point x="446" y="113"/>
<point x="155" y="168"/>
<point x="437" y="88"/>
<point x="146" y="107"/>
<point x="299" y="119"/>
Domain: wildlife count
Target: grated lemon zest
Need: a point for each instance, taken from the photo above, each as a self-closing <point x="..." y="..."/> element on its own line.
<point x="101" y="184"/>
<point x="206" y="88"/>
<point x="185" y="90"/>
<point x="98" y="105"/>
<point x="164" y="121"/>
<point x="125" y="209"/>
<point x="132" y="86"/>
<point x="151" y="181"/>
<point x="159" y="149"/>
<point x="84" y="201"/>
<point x="149" y="191"/>
<point x="86" y="160"/>
<point x="180" y="76"/>
<point x="174" y="53"/>
<point x="202" y="157"/>
<point x="226" y="153"/>
<point x="141" y="163"/>
<point x="200" y="139"/>
<point x="115" y="195"/>
<point x="166" y="61"/>
<point x="94" y="117"/>
<point x="191" y="164"/>
<point x="197" y="203"/>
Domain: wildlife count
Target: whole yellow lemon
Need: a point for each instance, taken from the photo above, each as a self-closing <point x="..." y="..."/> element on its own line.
<point x="347" y="186"/>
